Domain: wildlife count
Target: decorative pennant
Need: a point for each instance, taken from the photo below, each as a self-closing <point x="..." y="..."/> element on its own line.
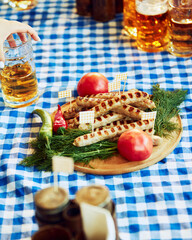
<point x="87" y="117"/>
<point x="116" y="85"/>
<point x="121" y="76"/>
<point x="64" y="94"/>
<point x="61" y="164"/>
<point x="149" y="115"/>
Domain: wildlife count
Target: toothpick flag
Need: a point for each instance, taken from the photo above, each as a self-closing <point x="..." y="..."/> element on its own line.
<point x="62" y="164"/>
<point x="149" y="115"/>
<point x="114" y="86"/>
<point x="121" y="76"/>
<point x="86" y="117"/>
<point x="63" y="94"/>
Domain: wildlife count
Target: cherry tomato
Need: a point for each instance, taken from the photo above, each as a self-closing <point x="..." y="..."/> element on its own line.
<point x="135" y="145"/>
<point x="92" y="83"/>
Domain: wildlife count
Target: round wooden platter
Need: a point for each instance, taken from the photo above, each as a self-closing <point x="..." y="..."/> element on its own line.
<point x="118" y="165"/>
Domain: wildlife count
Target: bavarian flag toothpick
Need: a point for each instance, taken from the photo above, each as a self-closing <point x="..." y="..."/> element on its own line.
<point x="87" y="117"/>
<point x="65" y="94"/>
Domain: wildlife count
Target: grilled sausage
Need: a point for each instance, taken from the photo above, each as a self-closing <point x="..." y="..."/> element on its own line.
<point x="87" y="101"/>
<point x="129" y="111"/>
<point x="72" y="111"/>
<point x="135" y="97"/>
<point x="102" y="120"/>
<point x="94" y="137"/>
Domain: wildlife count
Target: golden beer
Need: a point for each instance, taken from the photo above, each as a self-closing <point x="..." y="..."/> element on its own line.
<point x="152" y="33"/>
<point x="23" y="4"/>
<point x="19" y="83"/>
<point x="129" y="18"/>
<point x="180" y="31"/>
<point x="18" y="78"/>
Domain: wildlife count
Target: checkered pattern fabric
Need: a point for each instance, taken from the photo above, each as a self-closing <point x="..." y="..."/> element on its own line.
<point x="152" y="203"/>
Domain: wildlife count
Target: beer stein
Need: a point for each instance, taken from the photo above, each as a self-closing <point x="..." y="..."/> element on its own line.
<point x="152" y="23"/>
<point x="180" y="28"/>
<point x="18" y="77"/>
<point x="129" y="18"/>
<point x="22" y="4"/>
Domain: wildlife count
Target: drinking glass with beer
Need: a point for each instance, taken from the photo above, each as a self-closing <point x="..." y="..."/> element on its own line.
<point x="129" y="18"/>
<point x="152" y="21"/>
<point x="22" y="4"/>
<point x="18" y="78"/>
<point x="180" y="28"/>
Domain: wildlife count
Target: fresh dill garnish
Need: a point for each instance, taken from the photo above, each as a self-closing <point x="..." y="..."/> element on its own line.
<point x="62" y="145"/>
<point x="167" y="103"/>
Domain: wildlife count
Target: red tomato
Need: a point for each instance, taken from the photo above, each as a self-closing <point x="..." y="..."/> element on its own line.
<point x="92" y="83"/>
<point x="135" y="145"/>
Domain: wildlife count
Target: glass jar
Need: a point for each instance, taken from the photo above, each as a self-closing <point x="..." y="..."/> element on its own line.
<point x="18" y="77"/>
<point x="50" y="204"/>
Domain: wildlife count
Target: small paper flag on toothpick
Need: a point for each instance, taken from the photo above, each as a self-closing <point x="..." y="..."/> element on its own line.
<point x="87" y="117"/>
<point x="65" y="94"/>
<point x="61" y="164"/>
<point x="116" y="85"/>
<point x="149" y="115"/>
<point x="121" y="76"/>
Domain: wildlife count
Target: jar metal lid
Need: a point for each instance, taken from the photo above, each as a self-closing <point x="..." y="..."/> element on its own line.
<point x="96" y="195"/>
<point x="49" y="199"/>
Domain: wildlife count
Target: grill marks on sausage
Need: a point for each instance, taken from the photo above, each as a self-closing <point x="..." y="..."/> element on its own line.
<point x="102" y="120"/>
<point x="129" y="111"/>
<point x="111" y="132"/>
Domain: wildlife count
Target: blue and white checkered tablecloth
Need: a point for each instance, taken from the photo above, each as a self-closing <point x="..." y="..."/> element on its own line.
<point x="153" y="203"/>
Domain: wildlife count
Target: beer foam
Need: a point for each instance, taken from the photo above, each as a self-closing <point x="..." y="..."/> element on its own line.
<point x="151" y="8"/>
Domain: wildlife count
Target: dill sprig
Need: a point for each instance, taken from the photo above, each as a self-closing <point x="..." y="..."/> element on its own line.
<point x="62" y="145"/>
<point x="167" y="103"/>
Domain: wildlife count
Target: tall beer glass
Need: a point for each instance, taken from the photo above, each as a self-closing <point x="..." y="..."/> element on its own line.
<point x="22" y="4"/>
<point x="180" y="28"/>
<point x="129" y="18"/>
<point x="151" y="16"/>
<point x="18" y="77"/>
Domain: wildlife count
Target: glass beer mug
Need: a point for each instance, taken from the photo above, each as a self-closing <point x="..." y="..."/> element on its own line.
<point x="18" y="78"/>
<point x="152" y="24"/>
<point x="22" y="4"/>
<point x="129" y="18"/>
<point x="180" y="28"/>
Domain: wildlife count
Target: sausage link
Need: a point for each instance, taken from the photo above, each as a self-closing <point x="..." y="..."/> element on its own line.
<point x="88" y="102"/>
<point x="102" y="120"/>
<point x="129" y="111"/>
<point x="94" y="137"/>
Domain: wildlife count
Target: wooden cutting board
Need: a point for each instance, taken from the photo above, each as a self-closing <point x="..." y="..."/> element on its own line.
<point x="118" y="165"/>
